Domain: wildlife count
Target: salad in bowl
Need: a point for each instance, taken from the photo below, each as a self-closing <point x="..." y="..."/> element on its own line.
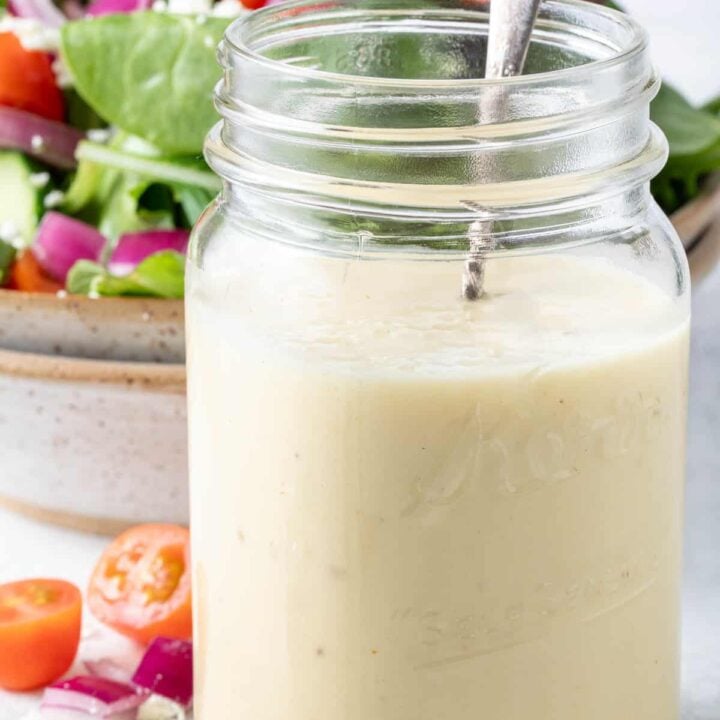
<point x="104" y="107"/>
<point x="103" y="111"/>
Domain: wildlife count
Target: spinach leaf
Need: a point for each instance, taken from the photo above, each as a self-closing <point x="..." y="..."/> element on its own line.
<point x="689" y="130"/>
<point x="160" y="275"/>
<point x="694" y="138"/>
<point x="151" y="74"/>
<point x="713" y="107"/>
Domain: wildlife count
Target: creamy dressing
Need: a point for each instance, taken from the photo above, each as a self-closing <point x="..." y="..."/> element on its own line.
<point x="410" y="507"/>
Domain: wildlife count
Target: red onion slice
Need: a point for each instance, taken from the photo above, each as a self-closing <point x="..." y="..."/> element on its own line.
<point x="92" y="696"/>
<point x="166" y="669"/>
<point x="42" y="10"/>
<point x="133" y="248"/>
<point x="47" y="140"/>
<point x="61" y="241"/>
<point x="110" y="7"/>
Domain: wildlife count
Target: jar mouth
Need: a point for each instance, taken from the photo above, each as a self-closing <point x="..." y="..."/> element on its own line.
<point x="384" y="103"/>
<point x="609" y="37"/>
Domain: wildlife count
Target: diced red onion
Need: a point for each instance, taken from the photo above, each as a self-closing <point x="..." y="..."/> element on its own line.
<point x="42" y="10"/>
<point x="133" y="248"/>
<point x="110" y="7"/>
<point x="73" y="10"/>
<point x="166" y="669"/>
<point x="61" y="241"/>
<point x="47" y="140"/>
<point x="108" y="668"/>
<point x="91" y="696"/>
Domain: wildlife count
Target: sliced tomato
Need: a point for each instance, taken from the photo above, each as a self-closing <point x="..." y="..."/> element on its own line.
<point x="27" y="275"/>
<point x="141" y="586"/>
<point x="39" y="632"/>
<point x="27" y="80"/>
<point x="253" y="4"/>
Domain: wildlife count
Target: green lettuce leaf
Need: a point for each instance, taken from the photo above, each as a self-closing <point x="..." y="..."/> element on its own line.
<point x="161" y="275"/>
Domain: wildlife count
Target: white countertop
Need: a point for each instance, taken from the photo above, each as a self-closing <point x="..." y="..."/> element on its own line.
<point x="684" y="36"/>
<point x="31" y="549"/>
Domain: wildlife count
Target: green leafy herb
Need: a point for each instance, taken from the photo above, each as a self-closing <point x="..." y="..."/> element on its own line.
<point x="7" y="257"/>
<point x="123" y="211"/>
<point x="160" y="275"/>
<point x="694" y="138"/>
<point x="150" y="74"/>
<point x="127" y="186"/>
<point x="82" y="275"/>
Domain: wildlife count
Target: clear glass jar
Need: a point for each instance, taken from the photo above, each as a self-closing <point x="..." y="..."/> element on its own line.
<point x="408" y="505"/>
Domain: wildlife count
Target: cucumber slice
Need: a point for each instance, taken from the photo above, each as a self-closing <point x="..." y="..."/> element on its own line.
<point x="20" y="199"/>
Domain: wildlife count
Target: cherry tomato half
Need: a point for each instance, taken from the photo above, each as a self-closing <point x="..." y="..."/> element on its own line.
<point x="141" y="586"/>
<point x="39" y="632"/>
<point x="27" y="275"/>
<point x="27" y="80"/>
<point x="254" y="4"/>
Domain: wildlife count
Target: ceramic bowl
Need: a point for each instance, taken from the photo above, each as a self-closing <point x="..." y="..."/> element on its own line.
<point x="698" y="225"/>
<point x="127" y="329"/>
<point x="96" y="445"/>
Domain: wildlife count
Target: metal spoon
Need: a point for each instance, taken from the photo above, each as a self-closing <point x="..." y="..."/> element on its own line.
<point x="511" y="24"/>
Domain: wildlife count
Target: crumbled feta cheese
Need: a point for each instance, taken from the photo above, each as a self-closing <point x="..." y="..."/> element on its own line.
<point x="62" y="294"/>
<point x="37" y="143"/>
<point x="160" y="6"/>
<point x="62" y="75"/>
<point x="160" y="708"/>
<point x="99" y="135"/>
<point x="188" y="7"/>
<point x="228" y="8"/>
<point x="39" y="180"/>
<point x="32" y="34"/>
<point x="53" y="199"/>
<point x="9" y="231"/>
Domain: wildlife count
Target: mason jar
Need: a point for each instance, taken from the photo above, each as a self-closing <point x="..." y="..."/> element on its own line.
<point x="438" y="339"/>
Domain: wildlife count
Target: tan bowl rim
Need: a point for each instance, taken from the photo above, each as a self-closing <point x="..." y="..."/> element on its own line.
<point x="154" y="377"/>
<point x="45" y="299"/>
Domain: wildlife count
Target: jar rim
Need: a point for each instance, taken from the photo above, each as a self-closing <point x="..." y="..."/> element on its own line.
<point x="238" y="34"/>
<point x="562" y="135"/>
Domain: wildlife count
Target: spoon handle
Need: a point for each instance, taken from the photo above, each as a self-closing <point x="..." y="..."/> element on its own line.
<point x="511" y="23"/>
